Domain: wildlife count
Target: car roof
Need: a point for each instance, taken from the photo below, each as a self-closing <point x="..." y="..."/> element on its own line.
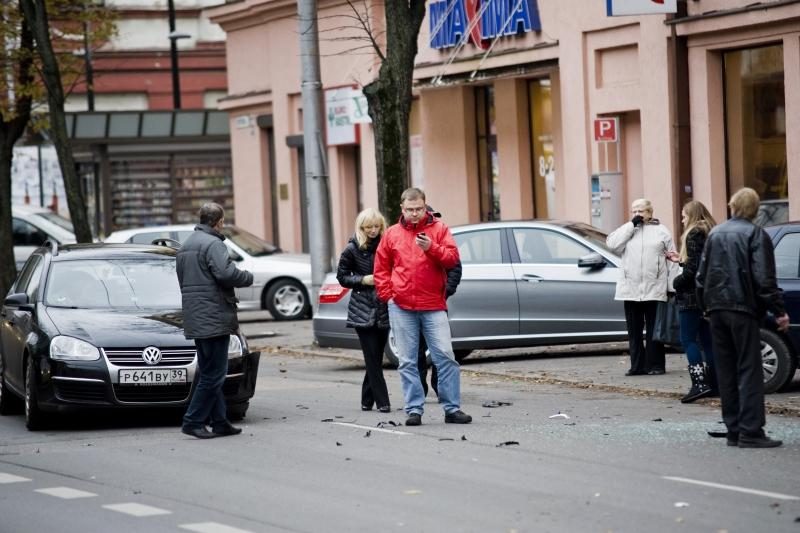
<point x="28" y="209"/>
<point x="125" y="234"/>
<point x="542" y="223"/>
<point x="71" y="252"/>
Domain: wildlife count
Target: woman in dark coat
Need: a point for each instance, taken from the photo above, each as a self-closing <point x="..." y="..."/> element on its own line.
<point x="368" y="315"/>
<point x="697" y="222"/>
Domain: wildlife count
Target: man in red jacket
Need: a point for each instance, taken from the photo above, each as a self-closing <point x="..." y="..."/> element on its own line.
<point x="410" y="274"/>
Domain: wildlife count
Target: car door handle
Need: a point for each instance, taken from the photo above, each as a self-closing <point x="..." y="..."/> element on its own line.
<point x="532" y="278"/>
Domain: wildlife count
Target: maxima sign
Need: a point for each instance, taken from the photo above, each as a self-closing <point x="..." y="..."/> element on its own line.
<point x="480" y="21"/>
<point x="640" y="7"/>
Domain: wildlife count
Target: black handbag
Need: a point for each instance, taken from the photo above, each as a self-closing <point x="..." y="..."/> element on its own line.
<point x="667" y="329"/>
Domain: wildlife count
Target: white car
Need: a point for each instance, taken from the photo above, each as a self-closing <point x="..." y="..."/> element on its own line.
<point x="281" y="281"/>
<point x="32" y="226"/>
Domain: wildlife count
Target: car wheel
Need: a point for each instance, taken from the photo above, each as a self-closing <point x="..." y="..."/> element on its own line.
<point x="34" y="417"/>
<point x="287" y="300"/>
<point x="237" y="411"/>
<point x="776" y="360"/>
<point x="390" y="351"/>
<point x="9" y="404"/>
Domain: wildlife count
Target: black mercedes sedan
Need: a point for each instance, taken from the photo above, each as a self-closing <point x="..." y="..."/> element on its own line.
<point x="100" y="325"/>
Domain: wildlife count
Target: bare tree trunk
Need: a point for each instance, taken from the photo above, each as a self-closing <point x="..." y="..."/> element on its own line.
<point x="36" y="13"/>
<point x="389" y="99"/>
<point x="10" y="131"/>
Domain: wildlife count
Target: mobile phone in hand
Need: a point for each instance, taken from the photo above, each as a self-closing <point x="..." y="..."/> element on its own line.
<point x="421" y="234"/>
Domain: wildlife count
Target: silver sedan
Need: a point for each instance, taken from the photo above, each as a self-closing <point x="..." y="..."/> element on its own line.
<point x="524" y="283"/>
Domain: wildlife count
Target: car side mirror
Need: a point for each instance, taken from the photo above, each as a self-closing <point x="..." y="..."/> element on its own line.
<point x="19" y="300"/>
<point x="592" y="261"/>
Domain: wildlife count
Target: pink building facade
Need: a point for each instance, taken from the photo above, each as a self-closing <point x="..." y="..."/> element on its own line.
<point x="551" y="109"/>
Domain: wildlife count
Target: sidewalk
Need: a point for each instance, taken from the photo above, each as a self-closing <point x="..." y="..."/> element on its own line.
<point x="589" y="366"/>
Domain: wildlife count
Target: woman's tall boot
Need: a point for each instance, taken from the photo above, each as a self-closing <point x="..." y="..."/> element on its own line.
<point x="700" y="389"/>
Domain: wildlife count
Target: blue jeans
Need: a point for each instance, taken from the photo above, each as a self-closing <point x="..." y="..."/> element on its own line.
<point x="694" y="327"/>
<point x="406" y="326"/>
<point x="208" y="401"/>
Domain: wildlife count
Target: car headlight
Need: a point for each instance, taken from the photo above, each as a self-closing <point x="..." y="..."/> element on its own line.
<point x="235" y="348"/>
<point x="64" y="348"/>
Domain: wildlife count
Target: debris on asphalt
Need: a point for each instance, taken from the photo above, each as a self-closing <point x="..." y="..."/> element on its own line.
<point x="657" y="420"/>
<point x="327" y="420"/>
<point x="570" y="424"/>
<point x="387" y="423"/>
<point x="508" y="443"/>
<point x="412" y="492"/>
<point x="281" y="370"/>
<point x="445" y="438"/>
<point x="368" y="433"/>
<point x="681" y="504"/>
<point x="560" y="415"/>
<point x="338" y="443"/>
<point x="495" y="403"/>
<point x="463" y="437"/>
<point x="300" y="406"/>
<point x="717" y="434"/>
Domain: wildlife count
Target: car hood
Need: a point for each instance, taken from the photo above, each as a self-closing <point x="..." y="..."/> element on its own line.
<point x="297" y="259"/>
<point x="116" y="328"/>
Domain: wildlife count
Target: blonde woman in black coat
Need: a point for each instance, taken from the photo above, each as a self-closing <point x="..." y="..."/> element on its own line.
<point x="366" y="313"/>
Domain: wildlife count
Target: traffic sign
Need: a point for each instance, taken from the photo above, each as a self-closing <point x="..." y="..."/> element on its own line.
<point x="605" y="129"/>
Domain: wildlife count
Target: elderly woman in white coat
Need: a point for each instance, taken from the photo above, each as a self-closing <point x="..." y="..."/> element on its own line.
<point x="643" y="244"/>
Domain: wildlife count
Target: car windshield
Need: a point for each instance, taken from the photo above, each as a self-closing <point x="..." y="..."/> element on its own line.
<point x="58" y="220"/>
<point x="591" y="234"/>
<point x="248" y="242"/>
<point x="139" y="283"/>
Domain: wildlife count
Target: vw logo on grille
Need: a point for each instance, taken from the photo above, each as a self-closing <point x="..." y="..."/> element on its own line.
<point x="151" y="355"/>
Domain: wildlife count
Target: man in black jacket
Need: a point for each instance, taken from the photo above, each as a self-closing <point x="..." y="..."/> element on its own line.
<point x="207" y="278"/>
<point x="736" y="286"/>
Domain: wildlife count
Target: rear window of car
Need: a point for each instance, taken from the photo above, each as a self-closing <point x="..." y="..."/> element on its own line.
<point x="591" y="234"/>
<point x="248" y="242"/>
<point x="140" y="283"/>
<point x="149" y="237"/>
<point x="787" y="256"/>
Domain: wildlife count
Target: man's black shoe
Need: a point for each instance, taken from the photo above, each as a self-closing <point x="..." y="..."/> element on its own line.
<point x="457" y="417"/>
<point x="656" y="372"/>
<point x="760" y="441"/>
<point x="414" y="419"/>
<point x="385" y="408"/>
<point x="732" y="439"/>
<point x="227" y="431"/>
<point x="200" y="433"/>
<point x="634" y="373"/>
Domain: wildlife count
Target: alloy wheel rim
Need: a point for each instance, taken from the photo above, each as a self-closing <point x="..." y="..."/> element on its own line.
<point x="769" y="361"/>
<point x="289" y="301"/>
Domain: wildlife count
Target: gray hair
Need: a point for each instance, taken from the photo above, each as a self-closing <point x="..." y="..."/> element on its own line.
<point x="211" y="213"/>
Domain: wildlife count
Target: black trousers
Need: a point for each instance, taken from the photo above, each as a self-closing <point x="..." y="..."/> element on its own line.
<point x="737" y="358"/>
<point x="641" y="316"/>
<point x="373" y="389"/>
<point x="422" y="365"/>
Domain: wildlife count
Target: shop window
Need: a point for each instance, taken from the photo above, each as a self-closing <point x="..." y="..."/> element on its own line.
<point x="755" y="121"/>
<point x="544" y="171"/>
<point x="488" y="164"/>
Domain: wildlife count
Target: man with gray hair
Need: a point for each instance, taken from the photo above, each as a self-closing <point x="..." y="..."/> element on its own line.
<point x="736" y="286"/>
<point x="207" y="278"/>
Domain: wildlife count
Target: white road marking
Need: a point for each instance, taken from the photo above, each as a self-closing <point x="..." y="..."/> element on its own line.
<point x="136" y="509"/>
<point x="382" y="430"/>
<point x="66" y="493"/>
<point x="212" y="527"/>
<point x="766" y="494"/>
<point x="11" y="478"/>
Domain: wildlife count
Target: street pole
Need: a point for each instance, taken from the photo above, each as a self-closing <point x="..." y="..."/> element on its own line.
<point x="319" y="234"/>
<point x="173" y="51"/>
<point x="87" y="57"/>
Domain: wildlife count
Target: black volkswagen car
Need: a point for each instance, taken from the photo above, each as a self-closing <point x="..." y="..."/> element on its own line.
<point x="100" y="325"/>
<point x="780" y="352"/>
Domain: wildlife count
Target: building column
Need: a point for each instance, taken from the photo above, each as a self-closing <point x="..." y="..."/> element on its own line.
<point x="791" y="77"/>
<point x="512" y="121"/>
<point x="450" y="160"/>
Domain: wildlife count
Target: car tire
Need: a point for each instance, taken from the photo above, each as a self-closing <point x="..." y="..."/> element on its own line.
<point x="34" y="417"/>
<point x="286" y="299"/>
<point x="777" y="361"/>
<point x="237" y="411"/>
<point x="9" y="404"/>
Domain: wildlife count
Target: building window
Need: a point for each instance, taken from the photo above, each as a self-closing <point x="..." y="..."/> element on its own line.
<point x="755" y="121"/>
<point x="488" y="165"/>
<point x="544" y="171"/>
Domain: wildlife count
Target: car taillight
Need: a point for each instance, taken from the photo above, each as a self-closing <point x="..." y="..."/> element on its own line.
<point x="331" y="293"/>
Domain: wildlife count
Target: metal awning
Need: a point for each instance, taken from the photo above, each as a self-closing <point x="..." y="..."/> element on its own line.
<point x="130" y="126"/>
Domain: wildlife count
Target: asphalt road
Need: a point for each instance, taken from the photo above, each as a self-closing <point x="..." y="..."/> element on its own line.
<point x="310" y="460"/>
